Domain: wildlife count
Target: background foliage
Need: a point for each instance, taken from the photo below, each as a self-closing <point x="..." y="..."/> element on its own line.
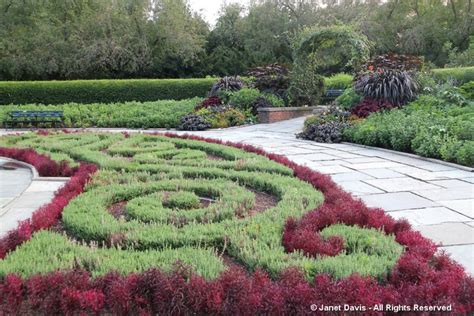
<point x="84" y="39"/>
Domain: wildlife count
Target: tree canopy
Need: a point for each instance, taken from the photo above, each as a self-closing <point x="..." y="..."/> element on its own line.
<point x="70" y="39"/>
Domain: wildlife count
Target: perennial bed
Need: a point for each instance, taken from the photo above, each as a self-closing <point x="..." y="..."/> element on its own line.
<point x="166" y="251"/>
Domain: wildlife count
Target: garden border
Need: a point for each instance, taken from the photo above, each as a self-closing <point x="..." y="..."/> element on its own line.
<point x="422" y="277"/>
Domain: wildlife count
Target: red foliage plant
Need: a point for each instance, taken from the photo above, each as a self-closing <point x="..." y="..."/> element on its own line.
<point x="368" y="106"/>
<point x="46" y="166"/>
<point x="395" y="61"/>
<point x="208" y="102"/>
<point x="47" y="215"/>
<point x="419" y="277"/>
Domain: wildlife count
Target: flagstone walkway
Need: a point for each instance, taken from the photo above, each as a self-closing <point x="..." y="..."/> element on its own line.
<point x="22" y="192"/>
<point x="436" y="198"/>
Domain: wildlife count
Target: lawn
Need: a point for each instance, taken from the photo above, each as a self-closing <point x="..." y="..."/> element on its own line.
<point x="159" y="224"/>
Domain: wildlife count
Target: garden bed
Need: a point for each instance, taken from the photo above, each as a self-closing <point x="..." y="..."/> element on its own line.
<point x="169" y="254"/>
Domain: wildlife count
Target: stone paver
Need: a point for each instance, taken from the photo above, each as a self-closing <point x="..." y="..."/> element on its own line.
<point x="21" y="195"/>
<point x="430" y="216"/>
<point x="448" y="234"/>
<point x="444" y="194"/>
<point x="451" y="184"/>
<point x="358" y="188"/>
<point x="397" y="201"/>
<point x="437" y="198"/>
<point x="465" y="207"/>
<point x="350" y="176"/>
<point x="382" y="173"/>
<point x="401" y="184"/>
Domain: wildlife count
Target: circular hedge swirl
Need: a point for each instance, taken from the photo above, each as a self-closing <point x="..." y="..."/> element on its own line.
<point x="179" y="226"/>
<point x="189" y="201"/>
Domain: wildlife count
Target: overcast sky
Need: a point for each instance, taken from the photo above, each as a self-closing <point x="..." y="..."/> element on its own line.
<point x="209" y="9"/>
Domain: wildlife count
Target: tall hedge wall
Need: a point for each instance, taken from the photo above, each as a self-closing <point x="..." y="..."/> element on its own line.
<point x="102" y="91"/>
<point x="461" y="74"/>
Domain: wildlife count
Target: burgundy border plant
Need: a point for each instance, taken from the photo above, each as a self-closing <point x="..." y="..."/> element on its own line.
<point x="47" y="215"/>
<point x="419" y="277"/>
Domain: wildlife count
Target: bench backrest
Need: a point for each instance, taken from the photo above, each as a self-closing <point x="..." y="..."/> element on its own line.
<point x="334" y="92"/>
<point x="27" y="113"/>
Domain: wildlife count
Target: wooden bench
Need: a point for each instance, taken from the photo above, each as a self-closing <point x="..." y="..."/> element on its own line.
<point x="34" y="118"/>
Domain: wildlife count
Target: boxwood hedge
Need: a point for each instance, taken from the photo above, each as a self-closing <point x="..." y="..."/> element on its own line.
<point x="106" y="91"/>
<point x="461" y="74"/>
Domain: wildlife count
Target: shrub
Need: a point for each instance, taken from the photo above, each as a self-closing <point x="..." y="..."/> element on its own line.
<point x="229" y="84"/>
<point x="458" y="58"/>
<point x="429" y="126"/>
<point x="338" y="81"/>
<point x="182" y="200"/>
<point x="227" y="118"/>
<point x="393" y="86"/>
<point x="244" y="98"/>
<point x="193" y="122"/>
<point x="348" y="99"/>
<point x="273" y="79"/>
<point x="395" y="62"/>
<point x="467" y="90"/>
<point x="330" y="132"/>
<point x="208" y="102"/>
<point x="224" y="116"/>
<point x="368" y="106"/>
<point x="165" y="113"/>
<point x="461" y="75"/>
<point x="102" y="91"/>
<point x="307" y="87"/>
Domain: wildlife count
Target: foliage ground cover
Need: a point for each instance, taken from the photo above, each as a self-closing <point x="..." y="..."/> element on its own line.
<point x="430" y="127"/>
<point x="460" y="74"/>
<point x="164" y="113"/>
<point x="316" y="245"/>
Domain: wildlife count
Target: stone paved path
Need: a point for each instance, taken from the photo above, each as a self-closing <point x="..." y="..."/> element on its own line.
<point x="437" y="199"/>
<point x="21" y="193"/>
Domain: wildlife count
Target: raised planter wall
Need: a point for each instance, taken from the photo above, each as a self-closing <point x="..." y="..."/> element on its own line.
<point x="270" y="115"/>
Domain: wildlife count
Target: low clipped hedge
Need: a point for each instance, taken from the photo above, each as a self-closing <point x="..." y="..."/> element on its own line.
<point x="461" y="74"/>
<point x="158" y="114"/>
<point x="338" y="81"/>
<point x="102" y="91"/>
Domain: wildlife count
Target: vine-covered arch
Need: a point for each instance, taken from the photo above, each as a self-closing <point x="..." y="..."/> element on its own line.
<point x="332" y="49"/>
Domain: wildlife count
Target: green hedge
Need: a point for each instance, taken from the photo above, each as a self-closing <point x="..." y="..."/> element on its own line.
<point x="428" y="127"/>
<point x="102" y="91"/>
<point x="163" y="113"/>
<point x="461" y="75"/>
<point x="338" y="81"/>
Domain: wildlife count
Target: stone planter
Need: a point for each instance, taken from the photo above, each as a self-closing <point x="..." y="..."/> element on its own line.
<point x="270" y="115"/>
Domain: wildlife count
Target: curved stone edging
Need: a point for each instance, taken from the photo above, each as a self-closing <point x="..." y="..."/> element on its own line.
<point x="39" y="191"/>
<point x="402" y="153"/>
<point x="24" y="164"/>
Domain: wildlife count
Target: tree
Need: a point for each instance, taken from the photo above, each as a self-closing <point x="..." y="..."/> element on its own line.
<point x="226" y="51"/>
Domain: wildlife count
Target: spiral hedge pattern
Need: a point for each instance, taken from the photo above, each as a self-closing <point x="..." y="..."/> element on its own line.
<point x="186" y="201"/>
